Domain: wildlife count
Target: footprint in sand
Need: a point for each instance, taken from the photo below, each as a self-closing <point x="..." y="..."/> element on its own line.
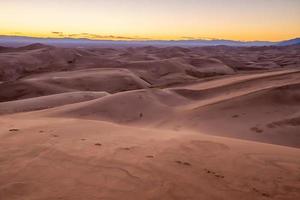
<point x="260" y="192"/>
<point x="149" y="156"/>
<point x="126" y="148"/>
<point x="214" y="173"/>
<point x="183" y="163"/>
<point x="256" y="129"/>
<point x="14" y="130"/>
<point x="219" y="176"/>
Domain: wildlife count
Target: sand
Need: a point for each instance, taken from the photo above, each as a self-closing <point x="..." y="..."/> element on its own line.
<point x="149" y="123"/>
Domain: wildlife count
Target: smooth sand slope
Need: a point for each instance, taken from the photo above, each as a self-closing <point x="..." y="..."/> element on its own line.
<point x="46" y="102"/>
<point x="209" y="123"/>
<point x="49" y="158"/>
<point x="104" y="79"/>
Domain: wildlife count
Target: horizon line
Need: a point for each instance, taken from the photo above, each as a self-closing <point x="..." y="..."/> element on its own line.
<point x="142" y="39"/>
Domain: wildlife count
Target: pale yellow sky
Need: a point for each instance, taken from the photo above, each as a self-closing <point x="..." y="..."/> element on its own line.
<point x="152" y="19"/>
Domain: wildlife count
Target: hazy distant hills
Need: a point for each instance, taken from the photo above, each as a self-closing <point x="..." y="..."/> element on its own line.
<point x="16" y="41"/>
<point x="295" y="41"/>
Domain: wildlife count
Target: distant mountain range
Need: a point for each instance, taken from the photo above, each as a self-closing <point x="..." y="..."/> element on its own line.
<point x="17" y="41"/>
<point x="295" y="41"/>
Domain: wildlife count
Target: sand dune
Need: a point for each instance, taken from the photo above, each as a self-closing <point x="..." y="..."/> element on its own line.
<point x="243" y="107"/>
<point x="251" y="116"/>
<point x="108" y="80"/>
<point x="39" y="58"/>
<point x="149" y="123"/>
<point x="210" y="65"/>
<point x="162" y="72"/>
<point x="140" y="107"/>
<point x="93" y="80"/>
<point x="45" y="102"/>
<point x="33" y="47"/>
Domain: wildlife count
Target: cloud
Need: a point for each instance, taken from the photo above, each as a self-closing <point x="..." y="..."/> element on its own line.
<point x="17" y="33"/>
<point x="58" y="33"/>
<point x="97" y="36"/>
<point x="197" y="38"/>
<point x="188" y="38"/>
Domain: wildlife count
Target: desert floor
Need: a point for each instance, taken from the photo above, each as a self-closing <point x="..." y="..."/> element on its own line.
<point x="149" y="123"/>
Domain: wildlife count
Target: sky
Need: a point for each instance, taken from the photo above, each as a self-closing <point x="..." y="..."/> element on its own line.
<point x="246" y="20"/>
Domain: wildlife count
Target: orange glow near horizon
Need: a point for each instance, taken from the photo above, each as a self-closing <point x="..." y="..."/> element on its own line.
<point x="271" y="20"/>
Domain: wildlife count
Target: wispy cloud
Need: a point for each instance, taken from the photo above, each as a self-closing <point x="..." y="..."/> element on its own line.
<point x="96" y="36"/>
<point x="57" y="32"/>
<point x="197" y="38"/>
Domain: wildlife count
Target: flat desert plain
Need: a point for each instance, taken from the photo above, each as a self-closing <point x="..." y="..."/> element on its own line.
<point x="207" y="123"/>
